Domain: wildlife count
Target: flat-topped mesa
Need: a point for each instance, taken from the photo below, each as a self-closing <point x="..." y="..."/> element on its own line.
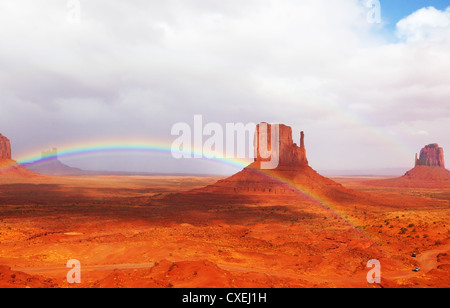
<point x="5" y="147"/>
<point x="290" y="154"/>
<point x="432" y="156"/>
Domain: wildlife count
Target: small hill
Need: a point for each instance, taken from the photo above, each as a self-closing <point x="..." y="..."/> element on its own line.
<point x="15" y="279"/>
<point x="11" y="169"/>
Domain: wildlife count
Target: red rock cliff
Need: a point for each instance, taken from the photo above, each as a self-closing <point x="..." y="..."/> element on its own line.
<point x="5" y="148"/>
<point x="431" y="155"/>
<point x="290" y="154"/>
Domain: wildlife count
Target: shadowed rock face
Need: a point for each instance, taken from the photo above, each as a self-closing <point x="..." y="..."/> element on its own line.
<point x="432" y="156"/>
<point x="290" y="154"/>
<point x="5" y="148"/>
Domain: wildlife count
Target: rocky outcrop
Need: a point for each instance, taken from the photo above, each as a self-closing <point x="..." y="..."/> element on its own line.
<point x="432" y="156"/>
<point x="289" y="153"/>
<point x="5" y="148"/>
<point x="293" y="176"/>
<point x="8" y="167"/>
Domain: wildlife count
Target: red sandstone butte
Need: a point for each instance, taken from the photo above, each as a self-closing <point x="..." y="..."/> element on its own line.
<point x="289" y="153"/>
<point x="432" y="156"/>
<point x="293" y="176"/>
<point x="5" y="148"/>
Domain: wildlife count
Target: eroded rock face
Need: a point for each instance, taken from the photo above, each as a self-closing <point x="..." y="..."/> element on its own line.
<point x="290" y="154"/>
<point x="432" y="155"/>
<point x="5" y="148"/>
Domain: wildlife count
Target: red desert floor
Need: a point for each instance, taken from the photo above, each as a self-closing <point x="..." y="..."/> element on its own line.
<point x="140" y="232"/>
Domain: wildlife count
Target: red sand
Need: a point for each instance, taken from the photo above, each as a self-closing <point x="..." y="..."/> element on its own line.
<point x="119" y="227"/>
<point x="419" y="177"/>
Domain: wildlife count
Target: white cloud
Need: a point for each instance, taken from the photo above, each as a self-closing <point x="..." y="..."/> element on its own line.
<point x="138" y="67"/>
<point x="425" y="24"/>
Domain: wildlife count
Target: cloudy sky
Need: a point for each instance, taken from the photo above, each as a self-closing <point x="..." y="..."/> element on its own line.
<point x="368" y="95"/>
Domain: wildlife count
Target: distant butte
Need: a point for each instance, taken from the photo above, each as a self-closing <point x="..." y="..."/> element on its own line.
<point x="51" y="165"/>
<point x="429" y="171"/>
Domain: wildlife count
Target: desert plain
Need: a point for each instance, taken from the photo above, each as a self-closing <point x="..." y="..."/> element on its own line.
<point x="166" y="232"/>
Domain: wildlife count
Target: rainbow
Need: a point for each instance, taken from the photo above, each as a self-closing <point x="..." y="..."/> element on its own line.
<point x="103" y="148"/>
